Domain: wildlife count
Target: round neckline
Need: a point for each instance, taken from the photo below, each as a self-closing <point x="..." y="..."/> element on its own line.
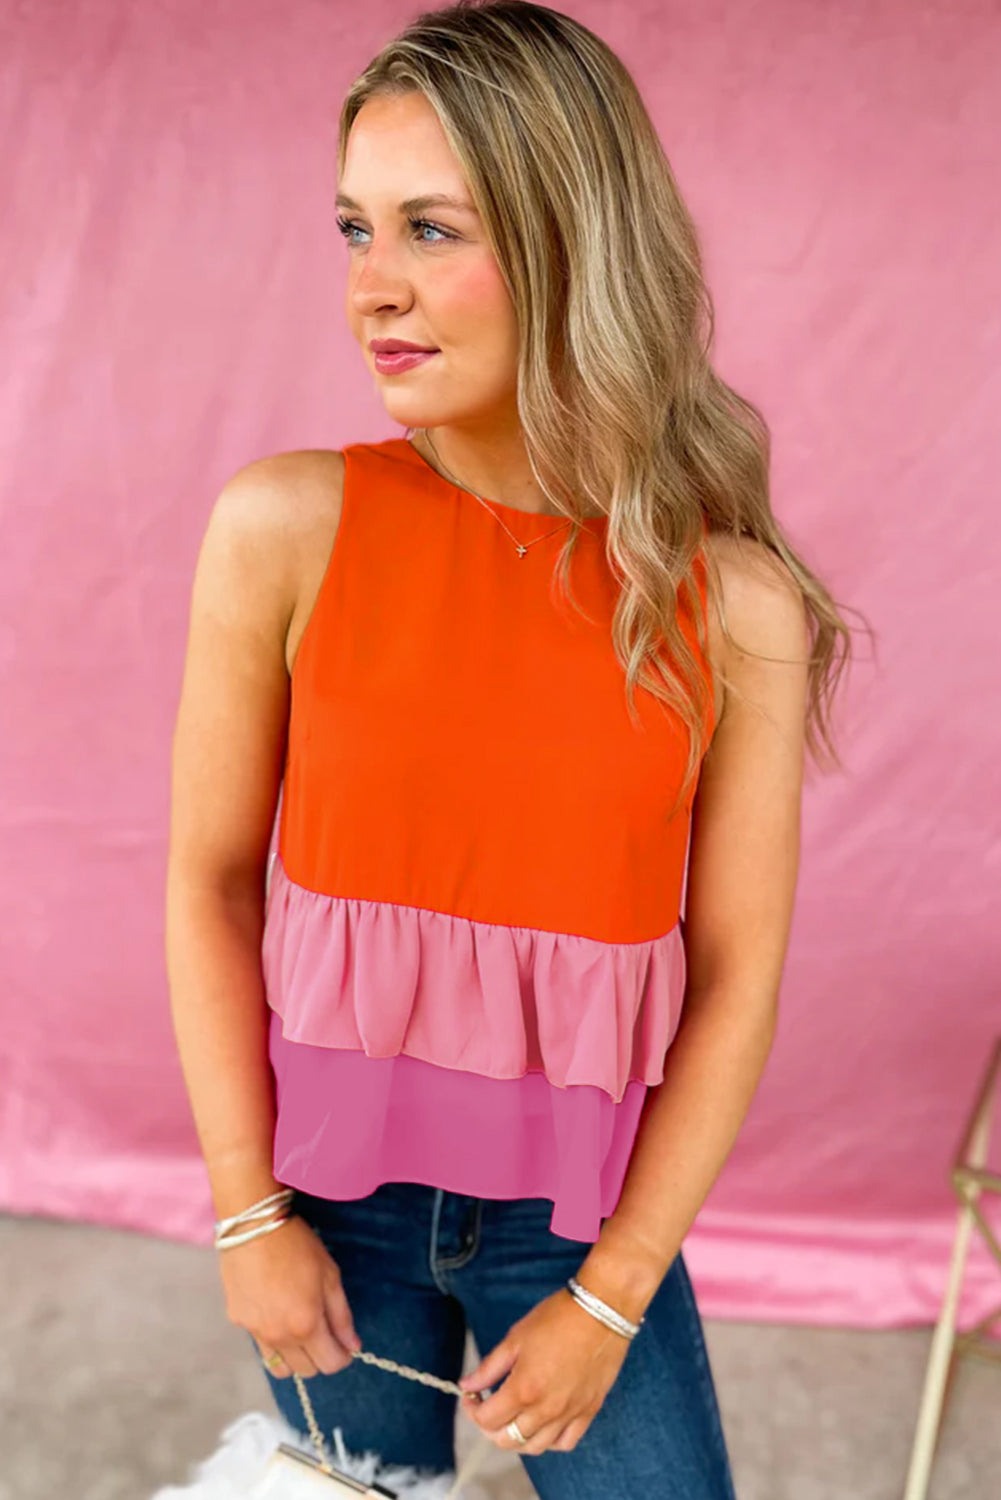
<point x="511" y="511"/>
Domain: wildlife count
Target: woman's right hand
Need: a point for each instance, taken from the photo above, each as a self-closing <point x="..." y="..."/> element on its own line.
<point x="285" y="1289"/>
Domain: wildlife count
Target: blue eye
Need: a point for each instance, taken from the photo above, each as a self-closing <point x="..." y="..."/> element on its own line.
<point x="348" y="227"/>
<point x="426" y="224"/>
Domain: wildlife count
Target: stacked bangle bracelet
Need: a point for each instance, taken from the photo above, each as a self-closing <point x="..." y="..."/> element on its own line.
<point x="601" y="1310"/>
<point x="269" y="1214"/>
<point x="263" y="1217"/>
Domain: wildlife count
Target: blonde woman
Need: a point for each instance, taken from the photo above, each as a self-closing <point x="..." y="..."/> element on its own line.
<point x="456" y="1060"/>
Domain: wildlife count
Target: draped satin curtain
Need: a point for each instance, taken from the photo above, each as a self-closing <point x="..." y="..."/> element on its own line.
<point x="171" y="303"/>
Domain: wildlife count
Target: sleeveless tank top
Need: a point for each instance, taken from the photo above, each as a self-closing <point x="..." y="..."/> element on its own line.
<point x="473" y="952"/>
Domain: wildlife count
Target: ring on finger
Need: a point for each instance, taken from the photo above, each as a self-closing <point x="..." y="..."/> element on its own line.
<point x="514" y="1432"/>
<point x="273" y="1359"/>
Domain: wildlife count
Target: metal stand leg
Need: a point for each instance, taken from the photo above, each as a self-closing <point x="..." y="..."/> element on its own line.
<point x="969" y="1179"/>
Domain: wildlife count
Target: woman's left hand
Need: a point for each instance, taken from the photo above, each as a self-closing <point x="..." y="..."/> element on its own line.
<point x="560" y="1364"/>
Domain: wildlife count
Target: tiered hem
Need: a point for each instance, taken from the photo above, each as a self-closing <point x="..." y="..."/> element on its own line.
<point x="501" y="1002"/>
<point x="348" y="1123"/>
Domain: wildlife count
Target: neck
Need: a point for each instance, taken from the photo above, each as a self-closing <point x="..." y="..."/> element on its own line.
<point x="495" y="468"/>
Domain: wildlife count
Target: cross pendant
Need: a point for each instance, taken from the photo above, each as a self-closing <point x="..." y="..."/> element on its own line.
<point x="521" y="550"/>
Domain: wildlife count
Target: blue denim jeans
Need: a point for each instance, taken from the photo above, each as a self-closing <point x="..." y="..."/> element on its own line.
<point x="420" y="1264"/>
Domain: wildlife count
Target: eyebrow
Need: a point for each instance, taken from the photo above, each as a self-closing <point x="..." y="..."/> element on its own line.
<point x="414" y="205"/>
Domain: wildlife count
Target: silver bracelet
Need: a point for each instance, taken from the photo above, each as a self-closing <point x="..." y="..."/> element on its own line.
<point x="601" y="1310"/>
<point x="227" y="1241"/>
<point x="262" y="1209"/>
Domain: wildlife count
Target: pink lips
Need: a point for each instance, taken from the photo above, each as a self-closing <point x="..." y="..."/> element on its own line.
<point x="395" y="362"/>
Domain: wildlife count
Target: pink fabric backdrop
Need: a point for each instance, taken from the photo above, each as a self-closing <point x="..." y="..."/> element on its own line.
<point x="172" y="309"/>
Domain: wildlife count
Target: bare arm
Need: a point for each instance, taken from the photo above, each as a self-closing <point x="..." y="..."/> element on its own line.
<point x="741" y="885"/>
<point x="266" y="531"/>
<point x="228" y="751"/>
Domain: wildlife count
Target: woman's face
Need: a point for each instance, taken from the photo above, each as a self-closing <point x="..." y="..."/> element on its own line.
<point x="435" y="283"/>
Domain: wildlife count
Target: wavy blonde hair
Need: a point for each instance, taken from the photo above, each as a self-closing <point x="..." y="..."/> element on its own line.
<point x="621" y="410"/>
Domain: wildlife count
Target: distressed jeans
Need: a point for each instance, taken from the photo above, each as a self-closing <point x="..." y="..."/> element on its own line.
<point x="421" y="1265"/>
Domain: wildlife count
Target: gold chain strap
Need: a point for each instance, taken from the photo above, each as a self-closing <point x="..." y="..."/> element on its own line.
<point x="319" y="1441"/>
<point x="449" y="1386"/>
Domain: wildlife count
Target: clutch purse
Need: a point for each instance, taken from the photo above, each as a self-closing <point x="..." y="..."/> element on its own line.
<point x="290" y="1474"/>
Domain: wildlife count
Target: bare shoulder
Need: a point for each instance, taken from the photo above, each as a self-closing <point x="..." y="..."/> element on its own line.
<point x="282" y="511"/>
<point x="761" y="602"/>
<point x="267" y="537"/>
<point x="759" y="634"/>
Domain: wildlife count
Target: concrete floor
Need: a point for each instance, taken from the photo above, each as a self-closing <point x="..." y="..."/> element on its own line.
<point x="120" y="1370"/>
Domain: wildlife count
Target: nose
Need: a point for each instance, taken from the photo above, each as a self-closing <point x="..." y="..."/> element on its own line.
<point x="378" y="282"/>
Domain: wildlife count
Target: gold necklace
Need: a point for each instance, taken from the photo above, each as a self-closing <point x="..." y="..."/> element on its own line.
<point x="521" y="546"/>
